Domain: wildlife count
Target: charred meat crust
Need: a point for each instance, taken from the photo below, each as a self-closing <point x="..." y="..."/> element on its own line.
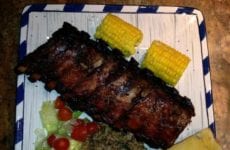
<point x="96" y="79"/>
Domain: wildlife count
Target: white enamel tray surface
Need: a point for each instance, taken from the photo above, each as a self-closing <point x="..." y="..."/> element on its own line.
<point x="181" y="28"/>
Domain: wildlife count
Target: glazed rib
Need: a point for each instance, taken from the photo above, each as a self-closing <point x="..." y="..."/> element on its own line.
<point x="93" y="78"/>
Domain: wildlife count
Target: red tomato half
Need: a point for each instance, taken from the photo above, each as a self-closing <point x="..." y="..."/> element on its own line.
<point x="78" y="122"/>
<point x="51" y="139"/>
<point x="64" y="114"/>
<point x="80" y="133"/>
<point x="92" y="127"/>
<point x="58" y="104"/>
<point x="61" y="144"/>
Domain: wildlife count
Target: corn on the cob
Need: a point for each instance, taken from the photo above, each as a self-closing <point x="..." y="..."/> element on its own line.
<point x="165" y="62"/>
<point x="119" y="34"/>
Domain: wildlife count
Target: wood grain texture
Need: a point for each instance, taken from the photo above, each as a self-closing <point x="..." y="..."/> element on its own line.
<point x="216" y="13"/>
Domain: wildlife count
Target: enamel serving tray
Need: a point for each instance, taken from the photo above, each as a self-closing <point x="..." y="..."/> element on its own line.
<point x="180" y="27"/>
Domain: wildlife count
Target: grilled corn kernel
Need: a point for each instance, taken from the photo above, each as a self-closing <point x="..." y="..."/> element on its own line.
<point x="119" y="34"/>
<point x="165" y="62"/>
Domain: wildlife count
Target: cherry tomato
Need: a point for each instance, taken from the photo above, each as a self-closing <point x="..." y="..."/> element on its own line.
<point x="58" y="104"/>
<point x="80" y="133"/>
<point x="92" y="127"/>
<point x="61" y="144"/>
<point x="64" y="114"/>
<point x="78" y="122"/>
<point x="51" y="139"/>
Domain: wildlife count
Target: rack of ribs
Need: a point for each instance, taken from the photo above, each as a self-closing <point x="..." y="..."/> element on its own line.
<point x="96" y="79"/>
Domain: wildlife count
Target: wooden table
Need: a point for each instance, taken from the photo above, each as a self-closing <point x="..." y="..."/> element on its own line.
<point x="217" y="17"/>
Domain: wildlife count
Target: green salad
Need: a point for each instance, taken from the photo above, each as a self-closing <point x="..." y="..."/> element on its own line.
<point x="63" y="130"/>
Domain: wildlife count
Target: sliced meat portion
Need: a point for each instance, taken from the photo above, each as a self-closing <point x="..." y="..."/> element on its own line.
<point x="158" y="116"/>
<point x="115" y="98"/>
<point x="105" y="101"/>
<point x="97" y="78"/>
<point x="76" y="63"/>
